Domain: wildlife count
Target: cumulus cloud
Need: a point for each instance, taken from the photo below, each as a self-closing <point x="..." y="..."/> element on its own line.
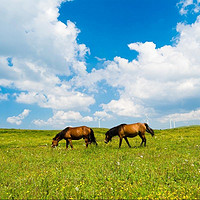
<point x="61" y="99"/>
<point x="124" y="107"/>
<point x="36" y="49"/>
<point x="31" y="30"/>
<point x="158" y="75"/>
<point x="182" y="117"/>
<point x="61" y="118"/>
<point x="18" y="119"/>
<point x="3" y="97"/>
<point x="102" y="115"/>
<point x="40" y="54"/>
<point x="186" y="5"/>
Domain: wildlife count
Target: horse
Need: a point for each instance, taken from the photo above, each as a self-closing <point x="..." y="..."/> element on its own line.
<point x="129" y="130"/>
<point x="75" y="133"/>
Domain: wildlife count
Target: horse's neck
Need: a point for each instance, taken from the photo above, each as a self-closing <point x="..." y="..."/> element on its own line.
<point x="60" y="136"/>
<point x="63" y="132"/>
<point x="115" y="133"/>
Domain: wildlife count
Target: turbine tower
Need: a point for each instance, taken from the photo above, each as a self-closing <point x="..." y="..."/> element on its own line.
<point x="147" y="119"/>
<point x="100" y="121"/>
<point x="170" y="123"/>
<point x="174" y="124"/>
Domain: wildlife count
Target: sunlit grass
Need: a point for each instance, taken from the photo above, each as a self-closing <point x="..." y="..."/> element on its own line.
<point x="168" y="168"/>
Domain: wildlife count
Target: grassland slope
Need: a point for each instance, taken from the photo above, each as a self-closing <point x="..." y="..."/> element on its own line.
<point x="168" y="168"/>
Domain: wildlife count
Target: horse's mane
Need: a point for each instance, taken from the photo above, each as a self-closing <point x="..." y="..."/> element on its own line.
<point x="115" y="130"/>
<point x="60" y="135"/>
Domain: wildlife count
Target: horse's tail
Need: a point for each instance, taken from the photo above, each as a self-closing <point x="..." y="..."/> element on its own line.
<point x="149" y="130"/>
<point x="92" y="137"/>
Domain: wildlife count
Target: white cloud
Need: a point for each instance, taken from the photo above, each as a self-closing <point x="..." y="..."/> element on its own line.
<point x="182" y="117"/>
<point x="165" y="75"/>
<point x="31" y="30"/>
<point x="61" y="118"/>
<point x="41" y="87"/>
<point x="61" y="99"/>
<point x="102" y="115"/>
<point x="18" y="119"/>
<point x="41" y="48"/>
<point x="186" y="5"/>
<point x="100" y="59"/>
<point x="125" y="107"/>
<point x="3" y="97"/>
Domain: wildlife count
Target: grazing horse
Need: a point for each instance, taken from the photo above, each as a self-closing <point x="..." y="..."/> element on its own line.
<point x="128" y="130"/>
<point x="75" y="133"/>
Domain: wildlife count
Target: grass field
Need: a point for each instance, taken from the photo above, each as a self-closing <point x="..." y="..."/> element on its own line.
<point x="168" y="168"/>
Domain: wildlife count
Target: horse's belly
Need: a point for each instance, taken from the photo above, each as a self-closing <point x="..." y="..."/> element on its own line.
<point x="131" y="135"/>
<point x="76" y="137"/>
<point x="73" y="136"/>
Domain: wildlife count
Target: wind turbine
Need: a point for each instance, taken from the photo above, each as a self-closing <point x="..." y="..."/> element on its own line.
<point x="174" y="124"/>
<point x="170" y="123"/>
<point x="100" y="121"/>
<point x="147" y="118"/>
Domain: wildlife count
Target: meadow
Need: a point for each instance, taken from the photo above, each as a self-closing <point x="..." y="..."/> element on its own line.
<point x="167" y="168"/>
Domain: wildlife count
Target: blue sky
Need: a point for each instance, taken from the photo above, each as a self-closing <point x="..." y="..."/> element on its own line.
<point x="108" y="26"/>
<point x="85" y="62"/>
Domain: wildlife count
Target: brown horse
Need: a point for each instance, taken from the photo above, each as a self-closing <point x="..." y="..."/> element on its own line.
<point x="128" y="130"/>
<point x="75" y="133"/>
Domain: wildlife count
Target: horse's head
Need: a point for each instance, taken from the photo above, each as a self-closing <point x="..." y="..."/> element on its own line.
<point x="112" y="132"/>
<point x="108" y="137"/>
<point x="55" y="142"/>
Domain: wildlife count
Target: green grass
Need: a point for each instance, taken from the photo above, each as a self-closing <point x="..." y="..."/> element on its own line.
<point x="168" y="168"/>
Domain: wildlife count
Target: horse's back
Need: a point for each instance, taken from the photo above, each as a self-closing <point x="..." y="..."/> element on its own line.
<point x="85" y="130"/>
<point x="78" y="132"/>
<point x="134" y="129"/>
<point x="79" y="128"/>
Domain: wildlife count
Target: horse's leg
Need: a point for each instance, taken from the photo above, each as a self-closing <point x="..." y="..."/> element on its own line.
<point x="70" y="142"/>
<point x="145" y="140"/>
<point x="142" y="136"/>
<point x="89" y="140"/>
<point x="127" y="142"/>
<point x="86" y="142"/>
<point x="120" y="142"/>
<point x="67" y="143"/>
